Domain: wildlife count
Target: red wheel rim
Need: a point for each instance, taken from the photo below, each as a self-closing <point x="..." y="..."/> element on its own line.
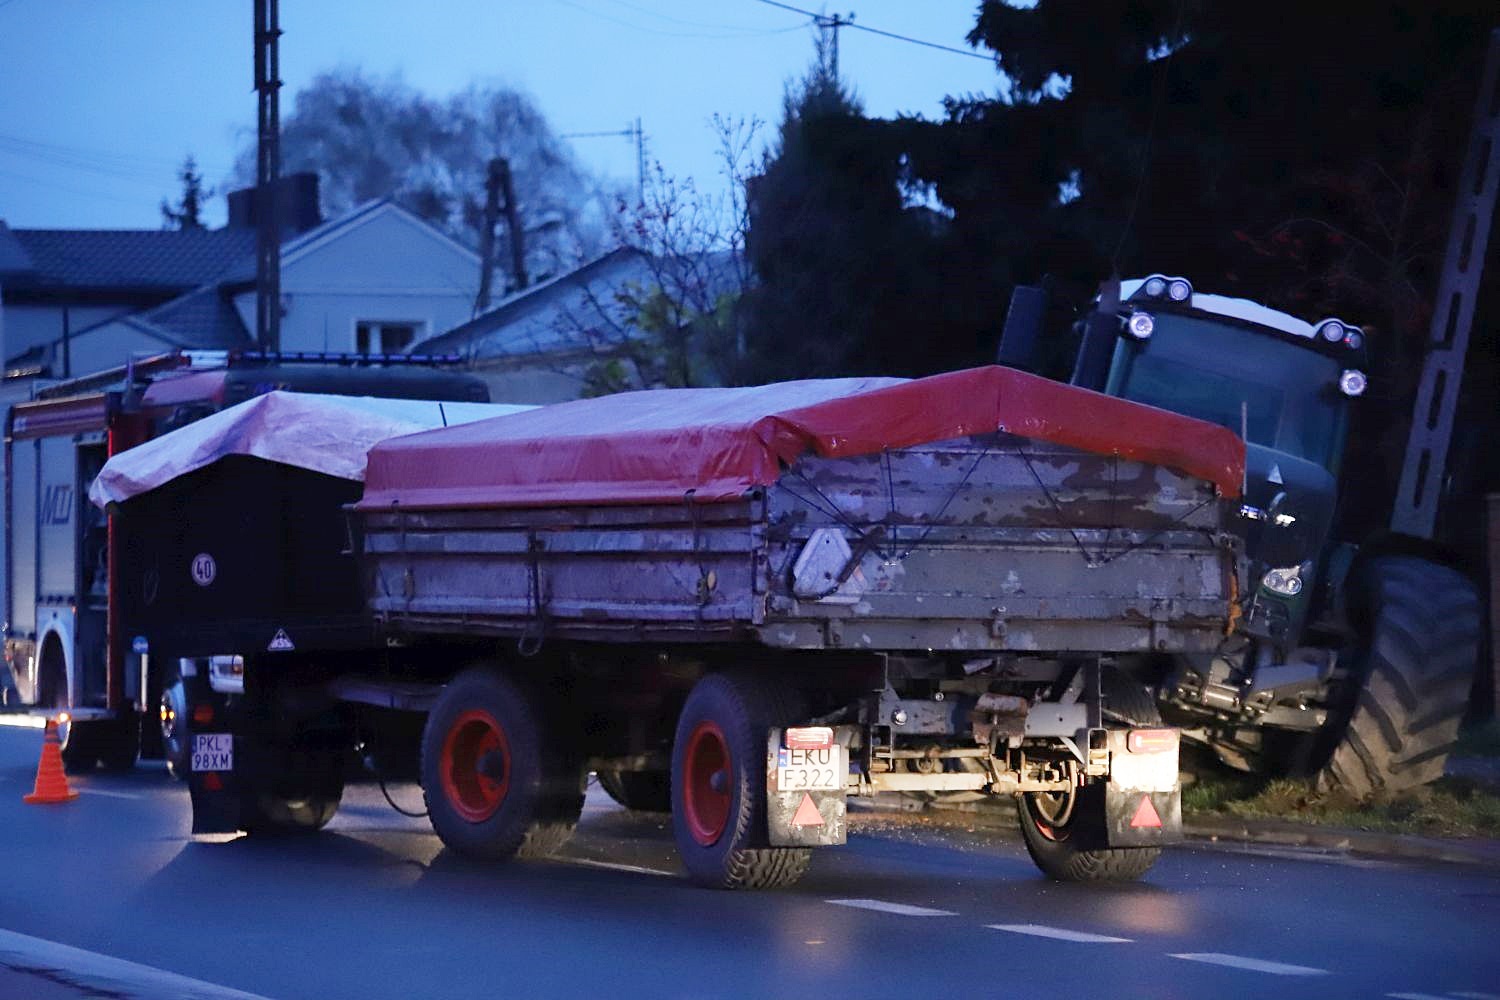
<point x="705" y="783"/>
<point x="476" y="765"/>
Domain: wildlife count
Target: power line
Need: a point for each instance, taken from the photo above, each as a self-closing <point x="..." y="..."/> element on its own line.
<point x="668" y="34"/>
<point x="877" y="31"/>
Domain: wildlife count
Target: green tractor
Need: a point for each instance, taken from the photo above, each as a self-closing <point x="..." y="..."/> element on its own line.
<point x="1351" y="662"/>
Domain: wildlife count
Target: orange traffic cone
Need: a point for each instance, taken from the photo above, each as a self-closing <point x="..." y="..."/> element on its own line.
<point x="51" y="782"/>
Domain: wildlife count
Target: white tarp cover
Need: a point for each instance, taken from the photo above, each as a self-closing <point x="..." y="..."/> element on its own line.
<point x="325" y="433"/>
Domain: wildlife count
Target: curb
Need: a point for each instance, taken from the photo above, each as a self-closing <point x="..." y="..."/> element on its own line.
<point x="1482" y="853"/>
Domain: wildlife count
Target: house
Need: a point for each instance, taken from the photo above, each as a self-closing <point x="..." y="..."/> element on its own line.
<point x="540" y="344"/>
<point x="59" y="282"/>
<point x="376" y="280"/>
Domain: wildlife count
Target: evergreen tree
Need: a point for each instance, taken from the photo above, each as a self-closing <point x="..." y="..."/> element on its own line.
<point x="187" y="214"/>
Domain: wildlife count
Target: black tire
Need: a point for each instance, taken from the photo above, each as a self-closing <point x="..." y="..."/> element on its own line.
<point x="642" y="791"/>
<point x="80" y="746"/>
<point x="118" y="742"/>
<point x="497" y="782"/>
<point x="292" y="791"/>
<point x="171" y="721"/>
<point x="1076" y="848"/>
<point x="1414" y="668"/>
<point x="721" y="833"/>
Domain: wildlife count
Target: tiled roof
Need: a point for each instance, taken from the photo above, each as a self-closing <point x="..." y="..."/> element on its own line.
<point x="13" y="256"/>
<point x="130" y="259"/>
<point x="203" y="318"/>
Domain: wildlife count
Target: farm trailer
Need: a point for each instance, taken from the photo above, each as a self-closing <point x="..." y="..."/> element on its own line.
<point x="742" y="605"/>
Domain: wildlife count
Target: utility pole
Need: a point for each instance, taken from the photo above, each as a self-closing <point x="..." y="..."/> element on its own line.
<point x="500" y="195"/>
<point x="487" y="235"/>
<point x="635" y="133"/>
<point x="831" y="25"/>
<point x="267" y="174"/>
<point x="513" y="224"/>
<point x="1425" y="465"/>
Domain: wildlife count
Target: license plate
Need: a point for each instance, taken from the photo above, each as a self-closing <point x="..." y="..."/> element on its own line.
<point x="213" y="752"/>
<point x="812" y="770"/>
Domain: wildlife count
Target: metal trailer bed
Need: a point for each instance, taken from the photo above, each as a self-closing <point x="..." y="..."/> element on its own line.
<point x="986" y="544"/>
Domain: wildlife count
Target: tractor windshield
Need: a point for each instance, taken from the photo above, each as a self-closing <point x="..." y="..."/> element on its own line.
<point x="1211" y="370"/>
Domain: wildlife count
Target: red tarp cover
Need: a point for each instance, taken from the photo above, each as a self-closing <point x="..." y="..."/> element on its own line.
<point x="655" y="446"/>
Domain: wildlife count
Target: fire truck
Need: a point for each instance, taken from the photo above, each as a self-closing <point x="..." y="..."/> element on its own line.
<point x="64" y="651"/>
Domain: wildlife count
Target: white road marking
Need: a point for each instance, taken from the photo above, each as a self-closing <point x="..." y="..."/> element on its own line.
<point x="113" y="795"/>
<point x="1061" y="934"/>
<point x="617" y="867"/>
<point x="1251" y="964"/>
<point x="89" y="970"/>
<point x="23" y="721"/>
<point x="1472" y="996"/>
<point x="1415" y="996"/>
<point x="898" y="908"/>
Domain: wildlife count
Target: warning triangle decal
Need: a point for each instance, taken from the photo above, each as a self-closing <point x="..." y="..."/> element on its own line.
<point x="1145" y="814"/>
<point x="280" y="642"/>
<point x="808" y="815"/>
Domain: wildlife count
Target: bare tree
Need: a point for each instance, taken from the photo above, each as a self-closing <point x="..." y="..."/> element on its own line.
<point x="674" y="321"/>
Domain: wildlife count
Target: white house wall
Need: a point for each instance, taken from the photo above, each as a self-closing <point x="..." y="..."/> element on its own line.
<point x="109" y="346"/>
<point x="387" y="267"/>
<point x="27" y="326"/>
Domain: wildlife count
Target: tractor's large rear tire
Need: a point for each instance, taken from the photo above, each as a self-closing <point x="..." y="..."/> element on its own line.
<point x="1065" y="834"/>
<point x="1413" y="670"/>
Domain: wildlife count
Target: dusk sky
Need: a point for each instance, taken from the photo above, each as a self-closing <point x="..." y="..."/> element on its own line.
<point x="100" y="100"/>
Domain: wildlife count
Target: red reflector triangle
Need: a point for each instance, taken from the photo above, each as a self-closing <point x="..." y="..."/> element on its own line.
<point x="1145" y="814"/>
<point x="808" y="815"/>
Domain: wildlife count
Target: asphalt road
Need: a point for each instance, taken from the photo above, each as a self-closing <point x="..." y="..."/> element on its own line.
<point x="374" y="908"/>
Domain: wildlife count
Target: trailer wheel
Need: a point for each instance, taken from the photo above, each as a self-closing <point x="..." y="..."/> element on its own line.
<point x="172" y="717"/>
<point x="643" y="791"/>
<point x="719" y="786"/>
<point x="1413" y="671"/>
<point x="1065" y="833"/>
<point x="496" y="785"/>
<point x="298" y="793"/>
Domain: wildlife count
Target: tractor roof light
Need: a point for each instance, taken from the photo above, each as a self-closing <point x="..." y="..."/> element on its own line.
<point x="1155" y="286"/>
<point x="1332" y="330"/>
<point x="1140" y="325"/>
<point x="1179" y="290"/>
<point x="1353" y="383"/>
<point x="1354" y="339"/>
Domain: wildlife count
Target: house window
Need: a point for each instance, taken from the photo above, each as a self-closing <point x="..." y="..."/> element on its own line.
<point x="371" y="337"/>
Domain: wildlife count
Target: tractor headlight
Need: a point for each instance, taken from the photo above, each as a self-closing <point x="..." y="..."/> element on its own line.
<point x="1353" y="383"/>
<point x="1286" y="582"/>
<point x="1140" y="325"/>
<point x="1178" y="290"/>
<point x="1156" y="286"/>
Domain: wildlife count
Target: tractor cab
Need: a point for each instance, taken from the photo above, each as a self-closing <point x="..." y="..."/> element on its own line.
<point x="1283" y="384"/>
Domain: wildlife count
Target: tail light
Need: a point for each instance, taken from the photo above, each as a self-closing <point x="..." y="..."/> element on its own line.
<point x="1151" y="740"/>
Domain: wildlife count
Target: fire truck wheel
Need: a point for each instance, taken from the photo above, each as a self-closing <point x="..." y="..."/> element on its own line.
<point x="118" y="741"/>
<point x="643" y="791"/>
<point x="498" y="784"/>
<point x="1065" y="833"/>
<point x="291" y="791"/>
<point x="719" y="785"/>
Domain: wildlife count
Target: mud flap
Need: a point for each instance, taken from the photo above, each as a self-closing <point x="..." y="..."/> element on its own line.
<point x="213" y="783"/>
<point x="1138" y="817"/>
<point x="801" y="814"/>
<point x="1143" y="797"/>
